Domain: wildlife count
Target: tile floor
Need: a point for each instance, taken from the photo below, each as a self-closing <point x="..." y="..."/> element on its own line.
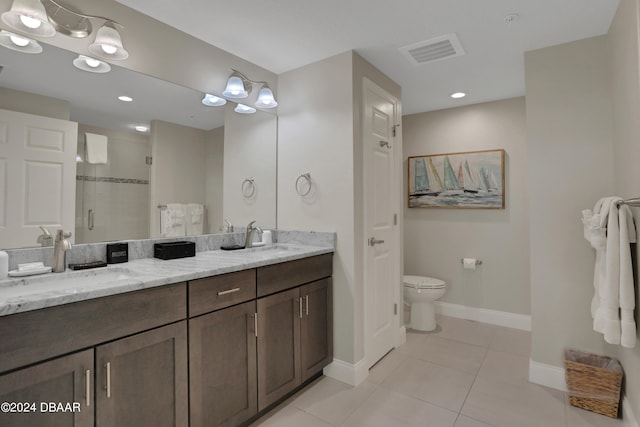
<point x="464" y="374"/>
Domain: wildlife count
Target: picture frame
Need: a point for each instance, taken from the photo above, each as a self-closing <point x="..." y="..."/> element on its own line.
<point x="465" y="180"/>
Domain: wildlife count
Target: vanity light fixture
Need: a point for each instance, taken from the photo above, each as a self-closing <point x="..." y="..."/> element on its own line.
<point x="92" y="65"/>
<point x="265" y="98"/>
<point x="125" y="98"/>
<point x="141" y="128"/>
<point x="108" y="43"/>
<point x="244" y="109"/>
<point x="19" y="43"/>
<point x="236" y="88"/>
<point x="46" y="18"/>
<point x="29" y="17"/>
<point x="458" y="95"/>
<point x="239" y="87"/>
<point x="213" y="101"/>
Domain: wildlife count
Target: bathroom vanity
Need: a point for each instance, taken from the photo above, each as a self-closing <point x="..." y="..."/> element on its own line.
<point x="235" y="335"/>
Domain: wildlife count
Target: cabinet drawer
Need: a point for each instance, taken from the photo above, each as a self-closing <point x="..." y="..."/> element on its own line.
<point x="37" y="335"/>
<point x="278" y="277"/>
<point x="216" y="292"/>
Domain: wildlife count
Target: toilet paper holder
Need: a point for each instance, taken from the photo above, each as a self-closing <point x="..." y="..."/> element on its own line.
<point x="478" y="262"/>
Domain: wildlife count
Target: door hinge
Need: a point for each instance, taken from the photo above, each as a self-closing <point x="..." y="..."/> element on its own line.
<point x="148" y="160"/>
<point x="394" y="129"/>
<point x="395" y="309"/>
<point x="395" y="219"/>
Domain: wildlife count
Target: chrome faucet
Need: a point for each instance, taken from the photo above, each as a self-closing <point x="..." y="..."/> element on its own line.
<point x="62" y="245"/>
<point x="45" y="239"/>
<point x="228" y="226"/>
<point x="248" y="241"/>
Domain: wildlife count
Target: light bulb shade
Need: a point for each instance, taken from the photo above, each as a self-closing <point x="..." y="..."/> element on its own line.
<point x="108" y="44"/>
<point x="30" y="17"/>
<point x="244" y="109"/>
<point x="265" y="98"/>
<point x="235" y="88"/>
<point x="92" y="65"/>
<point x="9" y="40"/>
<point x="213" y="101"/>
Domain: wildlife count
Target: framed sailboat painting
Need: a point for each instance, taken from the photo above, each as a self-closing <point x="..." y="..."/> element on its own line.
<point x="473" y="179"/>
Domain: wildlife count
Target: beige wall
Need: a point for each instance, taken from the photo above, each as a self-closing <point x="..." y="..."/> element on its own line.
<point x="624" y="47"/>
<point x="436" y="239"/>
<point x="179" y="167"/>
<point x="315" y="135"/>
<point x="571" y="166"/>
<point x="31" y="103"/>
<point x="319" y="131"/>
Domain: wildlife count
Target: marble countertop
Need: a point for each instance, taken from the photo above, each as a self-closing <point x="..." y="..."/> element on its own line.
<point x="51" y="289"/>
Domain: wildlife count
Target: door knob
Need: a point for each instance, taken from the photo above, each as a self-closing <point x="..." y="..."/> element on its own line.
<point x="373" y="241"/>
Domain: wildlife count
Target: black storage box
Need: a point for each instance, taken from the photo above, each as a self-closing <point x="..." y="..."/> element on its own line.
<point x="173" y="250"/>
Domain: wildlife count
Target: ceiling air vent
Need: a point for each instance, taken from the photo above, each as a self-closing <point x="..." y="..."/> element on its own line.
<point x="437" y="49"/>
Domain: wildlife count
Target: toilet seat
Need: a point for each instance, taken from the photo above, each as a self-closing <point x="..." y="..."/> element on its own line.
<point x="421" y="282"/>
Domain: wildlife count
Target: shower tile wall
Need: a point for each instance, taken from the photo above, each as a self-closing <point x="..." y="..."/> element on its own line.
<point x="118" y="192"/>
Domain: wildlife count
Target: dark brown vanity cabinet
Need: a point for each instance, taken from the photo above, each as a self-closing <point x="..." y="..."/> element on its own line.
<point x="295" y="334"/>
<point x="138" y="380"/>
<point x="222" y="350"/>
<point x="66" y="379"/>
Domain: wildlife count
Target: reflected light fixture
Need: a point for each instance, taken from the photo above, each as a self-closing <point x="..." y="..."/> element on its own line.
<point x="19" y="43"/>
<point x="29" y="17"/>
<point x="92" y="65"/>
<point x="213" y="101"/>
<point x="458" y="95"/>
<point x="108" y="43"/>
<point x="239" y="87"/>
<point x="141" y="128"/>
<point x="125" y="98"/>
<point x="244" y="109"/>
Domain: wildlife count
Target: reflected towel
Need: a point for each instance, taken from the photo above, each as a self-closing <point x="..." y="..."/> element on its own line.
<point x="173" y="220"/>
<point x="96" y="146"/>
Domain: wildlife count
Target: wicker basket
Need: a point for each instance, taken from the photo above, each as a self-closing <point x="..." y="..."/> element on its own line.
<point x="593" y="382"/>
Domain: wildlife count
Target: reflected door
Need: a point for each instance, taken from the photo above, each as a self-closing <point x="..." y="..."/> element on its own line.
<point x="37" y="177"/>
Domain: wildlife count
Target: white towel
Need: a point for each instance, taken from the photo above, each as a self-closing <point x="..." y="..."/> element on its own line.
<point x="195" y="219"/>
<point x="96" y="148"/>
<point x="173" y="220"/>
<point x="610" y="230"/>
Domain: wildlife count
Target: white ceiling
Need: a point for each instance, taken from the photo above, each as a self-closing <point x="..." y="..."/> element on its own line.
<point x="281" y="35"/>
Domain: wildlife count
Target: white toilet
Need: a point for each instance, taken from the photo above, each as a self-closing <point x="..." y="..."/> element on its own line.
<point x="421" y="292"/>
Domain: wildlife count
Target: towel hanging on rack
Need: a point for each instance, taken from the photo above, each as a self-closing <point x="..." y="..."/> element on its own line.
<point x="610" y="230"/>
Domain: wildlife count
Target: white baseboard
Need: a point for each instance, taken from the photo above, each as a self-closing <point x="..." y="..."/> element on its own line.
<point x="553" y="376"/>
<point x="547" y="375"/>
<point x="346" y="372"/>
<point x="493" y="317"/>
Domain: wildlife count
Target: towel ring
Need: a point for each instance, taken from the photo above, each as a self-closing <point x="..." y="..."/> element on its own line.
<point x="248" y="187"/>
<point x="307" y="177"/>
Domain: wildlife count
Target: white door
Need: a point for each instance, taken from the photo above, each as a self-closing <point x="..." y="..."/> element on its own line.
<point x="37" y="177"/>
<point x="382" y="204"/>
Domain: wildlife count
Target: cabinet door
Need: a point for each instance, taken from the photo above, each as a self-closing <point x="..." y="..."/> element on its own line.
<point x="278" y="346"/>
<point x="222" y="367"/>
<point x="67" y="381"/>
<point x="316" y="344"/>
<point x="142" y="379"/>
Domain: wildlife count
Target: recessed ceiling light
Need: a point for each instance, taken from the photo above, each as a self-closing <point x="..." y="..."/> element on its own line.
<point x="141" y="128"/>
<point x="125" y="98"/>
<point x="458" y="95"/>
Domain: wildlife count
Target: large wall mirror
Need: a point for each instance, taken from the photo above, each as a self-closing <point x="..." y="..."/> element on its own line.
<point x="189" y="154"/>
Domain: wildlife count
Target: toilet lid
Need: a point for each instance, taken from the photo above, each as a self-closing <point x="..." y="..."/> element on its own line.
<point x="422" y="282"/>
